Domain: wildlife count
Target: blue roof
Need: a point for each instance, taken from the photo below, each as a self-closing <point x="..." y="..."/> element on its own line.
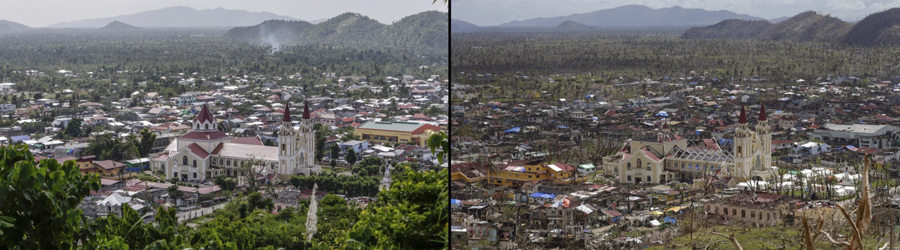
<point x="20" y="138"/>
<point x="513" y="130"/>
<point x="455" y="201"/>
<point x="543" y="195"/>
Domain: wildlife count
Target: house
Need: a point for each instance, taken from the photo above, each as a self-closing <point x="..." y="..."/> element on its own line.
<point x="111" y="185"/>
<point x="357" y="146"/>
<point x="109" y="167"/>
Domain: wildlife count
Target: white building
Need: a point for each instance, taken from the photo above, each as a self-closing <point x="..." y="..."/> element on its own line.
<point x="205" y="152"/>
<point x="859" y="135"/>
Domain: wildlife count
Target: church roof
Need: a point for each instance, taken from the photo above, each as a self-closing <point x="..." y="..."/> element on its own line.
<point x="743" y="117"/>
<point x="264" y="153"/>
<point x="197" y="150"/>
<point x="197" y="135"/>
<point x="205" y="115"/>
<point x="250" y="140"/>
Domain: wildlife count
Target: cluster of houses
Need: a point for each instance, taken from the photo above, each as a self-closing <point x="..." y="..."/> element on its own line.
<point x="251" y="114"/>
<point x="748" y="152"/>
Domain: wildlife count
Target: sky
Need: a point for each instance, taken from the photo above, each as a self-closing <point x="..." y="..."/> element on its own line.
<point x="495" y="12"/>
<point x="42" y="13"/>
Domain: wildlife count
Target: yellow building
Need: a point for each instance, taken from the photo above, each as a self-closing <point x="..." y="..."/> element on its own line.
<point x="396" y="132"/>
<point x="516" y="173"/>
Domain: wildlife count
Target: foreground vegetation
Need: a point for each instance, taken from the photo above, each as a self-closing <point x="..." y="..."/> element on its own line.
<point x="39" y="211"/>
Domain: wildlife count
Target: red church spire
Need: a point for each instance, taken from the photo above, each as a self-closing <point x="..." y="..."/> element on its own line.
<point x="306" y="110"/>
<point x="762" y="112"/>
<point x="205" y="115"/>
<point x="743" y="117"/>
<point x="287" y="112"/>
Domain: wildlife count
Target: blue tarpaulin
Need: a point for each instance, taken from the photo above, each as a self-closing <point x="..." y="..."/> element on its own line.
<point x="455" y="202"/>
<point x="513" y="130"/>
<point x="670" y="220"/>
<point x="543" y="195"/>
<point x="561" y="126"/>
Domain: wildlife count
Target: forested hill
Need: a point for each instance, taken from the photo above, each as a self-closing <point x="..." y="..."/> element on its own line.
<point x="119" y="26"/>
<point x="728" y="29"/>
<point x="808" y="26"/>
<point x="10" y="26"/>
<point x="803" y="27"/>
<point x="881" y="28"/>
<point x="572" y="26"/>
<point x="422" y="31"/>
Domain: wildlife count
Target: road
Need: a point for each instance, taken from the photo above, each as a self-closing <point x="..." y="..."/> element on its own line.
<point x="188" y="215"/>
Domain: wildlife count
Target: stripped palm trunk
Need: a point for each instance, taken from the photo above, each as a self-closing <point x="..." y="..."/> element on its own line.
<point x="311" y="216"/>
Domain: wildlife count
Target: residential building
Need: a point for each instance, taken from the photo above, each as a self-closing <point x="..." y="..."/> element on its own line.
<point x="396" y="132"/>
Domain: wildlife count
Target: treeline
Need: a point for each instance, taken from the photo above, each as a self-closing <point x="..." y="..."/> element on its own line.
<point x="608" y="58"/>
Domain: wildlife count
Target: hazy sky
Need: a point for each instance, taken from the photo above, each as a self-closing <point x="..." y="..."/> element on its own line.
<point x="42" y="13"/>
<point x="494" y="12"/>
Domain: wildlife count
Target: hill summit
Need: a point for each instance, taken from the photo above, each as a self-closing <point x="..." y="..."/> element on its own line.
<point x="119" y="26"/>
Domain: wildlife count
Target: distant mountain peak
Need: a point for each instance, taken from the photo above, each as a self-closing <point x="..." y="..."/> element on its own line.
<point x="637" y="15"/>
<point x="10" y="26"/>
<point x="180" y="16"/>
<point x="119" y="26"/>
<point x="570" y="25"/>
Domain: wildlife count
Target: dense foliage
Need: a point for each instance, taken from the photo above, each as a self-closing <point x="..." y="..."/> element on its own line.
<point x="350" y="185"/>
<point x="38" y="202"/>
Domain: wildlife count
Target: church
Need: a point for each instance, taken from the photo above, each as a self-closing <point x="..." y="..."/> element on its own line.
<point x="205" y="152"/>
<point x="665" y="157"/>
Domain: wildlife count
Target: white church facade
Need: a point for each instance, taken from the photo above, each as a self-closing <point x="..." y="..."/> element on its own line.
<point x="205" y="153"/>
<point x="668" y="157"/>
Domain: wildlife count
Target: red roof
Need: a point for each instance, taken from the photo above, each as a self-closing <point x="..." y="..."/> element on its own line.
<point x="218" y="148"/>
<point x="205" y="115"/>
<point x="109" y="164"/>
<point x="196" y="135"/>
<point x="743" y="117"/>
<point x="197" y="150"/>
<point x="347" y="119"/>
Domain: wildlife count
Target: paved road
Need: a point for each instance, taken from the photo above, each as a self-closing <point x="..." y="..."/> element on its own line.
<point x="188" y="215"/>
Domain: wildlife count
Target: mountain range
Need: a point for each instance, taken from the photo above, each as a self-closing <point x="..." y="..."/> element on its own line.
<point x="881" y="28"/>
<point x="426" y="30"/>
<point x="636" y="15"/>
<point x="180" y="16"/>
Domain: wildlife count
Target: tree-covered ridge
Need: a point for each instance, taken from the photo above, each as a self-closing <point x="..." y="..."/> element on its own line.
<point x="881" y="28"/>
<point x="422" y="32"/>
<point x="728" y="29"/>
<point x="39" y="212"/>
